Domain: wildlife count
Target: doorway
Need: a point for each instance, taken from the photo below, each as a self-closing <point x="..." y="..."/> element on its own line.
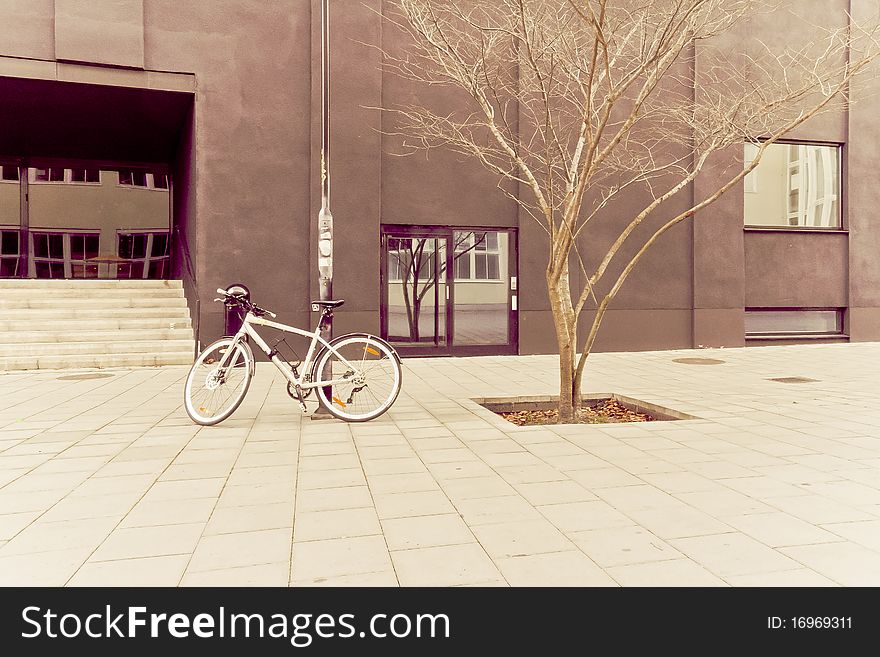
<point x="449" y="291"/>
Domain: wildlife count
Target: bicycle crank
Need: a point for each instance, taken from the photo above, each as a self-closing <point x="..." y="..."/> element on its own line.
<point x="291" y="390"/>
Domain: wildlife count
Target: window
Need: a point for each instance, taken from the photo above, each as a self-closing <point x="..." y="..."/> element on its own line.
<point x="794" y="185"/>
<point x="147" y="255"/>
<point x="9" y="253"/>
<point x="8" y="173"/>
<point x="85" y="175"/>
<point x="770" y="322"/>
<point x="83" y="248"/>
<point x="144" y="179"/>
<point x="64" y="255"/>
<point x="477" y="256"/>
<point x="61" y="175"/>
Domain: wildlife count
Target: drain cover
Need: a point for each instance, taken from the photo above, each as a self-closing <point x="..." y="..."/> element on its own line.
<point x="794" y="379"/>
<point x="698" y="361"/>
<point x="84" y="377"/>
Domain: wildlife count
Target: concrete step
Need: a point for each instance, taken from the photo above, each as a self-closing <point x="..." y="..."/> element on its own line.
<point x="34" y="283"/>
<point x="25" y="318"/>
<point x="133" y="320"/>
<point x="93" y="323"/>
<point x="73" y="300"/>
<point x="10" y="363"/>
<point x="124" y="335"/>
<point x="89" y="292"/>
<point x="104" y="347"/>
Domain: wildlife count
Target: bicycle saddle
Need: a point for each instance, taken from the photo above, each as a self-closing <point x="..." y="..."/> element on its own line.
<point x="329" y="304"/>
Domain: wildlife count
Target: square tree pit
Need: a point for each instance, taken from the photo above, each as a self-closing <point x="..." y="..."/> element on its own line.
<point x="596" y="408"/>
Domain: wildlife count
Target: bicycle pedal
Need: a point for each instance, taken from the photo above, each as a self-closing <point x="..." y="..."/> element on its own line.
<point x="302" y="405"/>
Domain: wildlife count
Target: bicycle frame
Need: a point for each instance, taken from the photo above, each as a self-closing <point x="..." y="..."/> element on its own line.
<point x="247" y="328"/>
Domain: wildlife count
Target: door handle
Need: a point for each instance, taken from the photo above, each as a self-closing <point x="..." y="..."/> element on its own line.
<point x="513" y="302"/>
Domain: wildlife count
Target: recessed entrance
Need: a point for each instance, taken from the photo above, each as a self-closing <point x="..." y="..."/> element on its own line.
<point x="85" y="179"/>
<point x="449" y="291"/>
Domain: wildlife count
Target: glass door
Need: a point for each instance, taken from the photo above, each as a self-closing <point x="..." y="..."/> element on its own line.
<point x="415" y="313"/>
<point x="449" y="291"/>
<point x="484" y="292"/>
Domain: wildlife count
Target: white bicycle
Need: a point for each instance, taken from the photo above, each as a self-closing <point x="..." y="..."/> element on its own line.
<point x="356" y="376"/>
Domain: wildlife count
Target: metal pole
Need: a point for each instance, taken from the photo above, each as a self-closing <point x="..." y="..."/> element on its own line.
<point x="325" y="218"/>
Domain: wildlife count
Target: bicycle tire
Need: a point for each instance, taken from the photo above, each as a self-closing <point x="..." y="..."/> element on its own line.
<point x="384" y="373"/>
<point x="199" y="405"/>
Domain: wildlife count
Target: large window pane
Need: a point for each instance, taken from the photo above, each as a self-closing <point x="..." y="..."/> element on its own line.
<point x="768" y="322"/>
<point x="41" y="245"/>
<point x="9" y="242"/>
<point x="416" y="301"/>
<point x="482" y="307"/>
<point x="794" y="185"/>
<point x="88" y="223"/>
<point x="56" y="246"/>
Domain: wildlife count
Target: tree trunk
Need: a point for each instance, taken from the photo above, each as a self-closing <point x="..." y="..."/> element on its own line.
<point x="414" y="332"/>
<point x="565" y="324"/>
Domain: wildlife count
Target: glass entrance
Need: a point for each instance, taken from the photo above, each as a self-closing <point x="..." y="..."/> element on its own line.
<point x="449" y="291"/>
<point x="416" y="289"/>
<point x="74" y="220"/>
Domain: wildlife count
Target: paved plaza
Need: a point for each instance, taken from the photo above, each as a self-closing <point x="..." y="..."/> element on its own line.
<point x="105" y="481"/>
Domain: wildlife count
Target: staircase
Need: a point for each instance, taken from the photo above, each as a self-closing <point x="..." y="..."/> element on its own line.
<point x="55" y="324"/>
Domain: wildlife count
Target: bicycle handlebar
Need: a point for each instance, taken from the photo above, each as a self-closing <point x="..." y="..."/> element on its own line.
<point x="241" y="301"/>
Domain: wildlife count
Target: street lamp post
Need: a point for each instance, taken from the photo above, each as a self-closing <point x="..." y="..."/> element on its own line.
<point x="325" y="218"/>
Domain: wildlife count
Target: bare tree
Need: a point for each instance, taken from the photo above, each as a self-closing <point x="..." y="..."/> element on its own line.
<point x="576" y="104"/>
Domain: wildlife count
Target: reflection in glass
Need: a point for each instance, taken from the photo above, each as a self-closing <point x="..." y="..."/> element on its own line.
<point x="764" y="322"/>
<point x="793" y="185"/>
<point x="416" y="290"/>
<point x="481" y="312"/>
<point x="87" y="224"/>
<point x="10" y="221"/>
<point x="9" y="253"/>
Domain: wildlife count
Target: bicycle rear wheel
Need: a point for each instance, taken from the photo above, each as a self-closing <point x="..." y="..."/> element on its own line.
<point x="368" y="377"/>
<point x="213" y="393"/>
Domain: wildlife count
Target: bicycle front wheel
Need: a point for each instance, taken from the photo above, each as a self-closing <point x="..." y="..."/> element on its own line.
<point x="365" y="376"/>
<point x="213" y="393"/>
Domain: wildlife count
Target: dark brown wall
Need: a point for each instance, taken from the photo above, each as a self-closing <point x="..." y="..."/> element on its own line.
<point x="795" y="269"/>
<point x="252" y="143"/>
<point x="27" y="29"/>
<point x="863" y="200"/>
<point x="100" y="31"/>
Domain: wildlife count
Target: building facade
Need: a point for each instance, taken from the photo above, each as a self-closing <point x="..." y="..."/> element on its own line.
<point x="165" y="139"/>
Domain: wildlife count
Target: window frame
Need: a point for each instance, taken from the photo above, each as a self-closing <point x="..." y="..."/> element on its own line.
<point x="149" y="179"/>
<point x="66" y="260"/>
<point x="429" y="263"/>
<point x="841" y="313"/>
<point x="471" y="252"/>
<point x="68" y="175"/>
<point x="16" y="257"/>
<point x="148" y="258"/>
<point x="842" y="223"/>
<point x="17" y="180"/>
